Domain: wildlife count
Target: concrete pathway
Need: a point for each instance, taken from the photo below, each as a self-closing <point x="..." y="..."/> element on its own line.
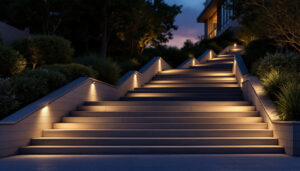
<point x="150" y="162"/>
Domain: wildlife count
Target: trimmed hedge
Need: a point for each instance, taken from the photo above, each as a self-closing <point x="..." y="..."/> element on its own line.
<point x="11" y="62"/>
<point x="44" y="49"/>
<point x="23" y="89"/>
<point x="72" y="71"/>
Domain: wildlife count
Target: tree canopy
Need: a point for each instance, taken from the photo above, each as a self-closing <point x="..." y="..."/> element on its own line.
<point x="112" y="27"/>
<point x="278" y="20"/>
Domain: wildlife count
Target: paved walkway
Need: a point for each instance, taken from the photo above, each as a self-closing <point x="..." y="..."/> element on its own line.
<point x="150" y="162"/>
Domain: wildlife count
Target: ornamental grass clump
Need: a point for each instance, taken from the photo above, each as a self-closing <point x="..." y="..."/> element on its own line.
<point x="289" y="101"/>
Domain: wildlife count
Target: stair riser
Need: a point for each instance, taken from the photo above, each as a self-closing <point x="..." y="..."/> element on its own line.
<point x="168" y="108"/>
<point x="158" y="133"/>
<point x="157" y="126"/>
<point x="160" y="120"/>
<point x="164" y="114"/>
<point x="190" y="85"/>
<point x="166" y="103"/>
<point x="152" y="142"/>
<point x="181" y="98"/>
<point x="189" y="92"/>
<point x="170" y="150"/>
<point x="192" y="81"/>
<point x="178" y="95"/>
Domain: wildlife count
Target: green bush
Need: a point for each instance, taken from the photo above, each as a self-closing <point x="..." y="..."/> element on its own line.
<point x="72" y="71"/>
<point x="28" y="89"/>
<point x="44" y="49"/>
<point x="288" y="61"/>
<point x="8" y="100"/>
<point x="257" y="49"/>
<point x="108" y="70"/>
<point x="53" y="78"/>
<point x="289" y="101"/>
<point x="11" y="62"/>
<point x="172" y="55"/>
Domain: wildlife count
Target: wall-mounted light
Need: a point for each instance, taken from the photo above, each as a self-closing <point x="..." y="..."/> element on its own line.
<point x="159" y="65"/>
<point x="234" y="45"/>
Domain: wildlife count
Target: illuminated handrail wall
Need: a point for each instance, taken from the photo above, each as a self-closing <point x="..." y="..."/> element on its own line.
<point x="17" y="129"/>
<point x="288" y="132"/>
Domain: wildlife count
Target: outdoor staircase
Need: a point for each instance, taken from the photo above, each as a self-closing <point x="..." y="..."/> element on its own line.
<point x="180" y="111"/>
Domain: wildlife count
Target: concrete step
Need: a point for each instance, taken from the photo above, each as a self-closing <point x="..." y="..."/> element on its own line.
<point x="203" y="93"/>
<point x="191" y="82"/>
<point x="203" y="89"/>
<point x="181" y="125"/>
<point x="208" y="98"/>
<point x="164" y="114"/>
<point x="258" y="149"/>
<point x="165" y="103"/>
<point x="178" y="77"/>
<point x="195" y="73"/>
<point x="191" y="85"/>
<point x="231" y="81"/>
<point x="191" y="94"/>
<point x="162" y="119"/>
<point x="168" y="108"/>
<point x="153" y="141"/>
<point x="158" y="133"/>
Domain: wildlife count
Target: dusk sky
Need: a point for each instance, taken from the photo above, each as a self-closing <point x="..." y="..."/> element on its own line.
<point x="188" y="28"/>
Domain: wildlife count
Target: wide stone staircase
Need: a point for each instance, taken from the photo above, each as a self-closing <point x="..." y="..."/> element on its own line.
<point x="180" y="111"/>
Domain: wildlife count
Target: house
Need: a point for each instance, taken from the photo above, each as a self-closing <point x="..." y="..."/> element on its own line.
<point x="9" y="33"/>
<point x="217" y="16"/>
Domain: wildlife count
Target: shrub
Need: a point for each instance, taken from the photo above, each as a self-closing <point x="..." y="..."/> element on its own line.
<point x="11" y="62"/>
<point x="273" y="80"/>
<point x="108" y="70"/>
<point x="289" y="101"/>
<point x="172" y="55"/>
<point x="72" y="71"/>
<point x="45" y="49"/>
<point x="53" y="78"/>
<point x="28" y="89"/>
<point x="288" y="61"/>
<point x="245" y="35"/>
<point x="215" y="47"/>
<point x="257" y="49"/>
<point x="8" y="100"/>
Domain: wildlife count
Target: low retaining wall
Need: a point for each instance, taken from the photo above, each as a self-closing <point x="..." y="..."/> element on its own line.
<point x="17" y="129"/>
<point x="287" y="132"/>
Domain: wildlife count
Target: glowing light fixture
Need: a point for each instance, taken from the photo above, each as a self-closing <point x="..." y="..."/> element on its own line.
<point x="135" y="81"/>
<point x="193" y="62"/>
<point x="210" y="55"/>
<point x="159" y="65"/>
<point x="234" y="45"/>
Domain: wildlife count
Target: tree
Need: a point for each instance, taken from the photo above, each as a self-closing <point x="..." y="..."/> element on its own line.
<point x="278" y="20"/>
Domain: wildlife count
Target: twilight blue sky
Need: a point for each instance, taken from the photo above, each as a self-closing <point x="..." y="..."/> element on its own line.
<point x="188" y="28"/>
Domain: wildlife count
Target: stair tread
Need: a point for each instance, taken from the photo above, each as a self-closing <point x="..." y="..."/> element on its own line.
<point x="161" y="138"/>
